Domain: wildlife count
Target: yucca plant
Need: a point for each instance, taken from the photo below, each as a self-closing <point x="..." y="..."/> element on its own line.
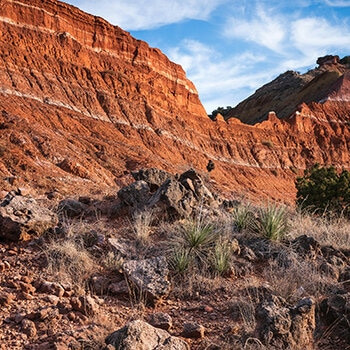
<point x="271" y="222"/>
<point x="180" y="260"/>
<point x="221" y="257"/>
<point x="198" y="237"/>
<point x="242" y="217"/>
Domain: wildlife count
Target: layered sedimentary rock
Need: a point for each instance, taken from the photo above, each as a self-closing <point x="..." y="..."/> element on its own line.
<point x="83" y="103"/>
<point x="285" y="93"/>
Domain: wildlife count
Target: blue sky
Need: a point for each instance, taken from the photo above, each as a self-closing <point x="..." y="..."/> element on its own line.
<point x="229" y="48"/>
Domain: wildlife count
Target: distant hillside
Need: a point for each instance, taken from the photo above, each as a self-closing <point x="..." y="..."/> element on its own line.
<point x="285" y="93"/>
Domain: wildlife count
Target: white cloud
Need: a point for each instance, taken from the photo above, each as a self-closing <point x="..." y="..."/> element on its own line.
<point x="337" y="3"/>
<point x="264" y="28"/>
<point x="314" y="37"/>
<point x="220" y="80"/>
<point x="145" y="14"/>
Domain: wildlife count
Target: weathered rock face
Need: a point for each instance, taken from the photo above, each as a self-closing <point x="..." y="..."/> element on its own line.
<point x="173" y="197"/>
<point x="22" y="218"/>
<point x="290" y="89"/>
<point x="139" y="335"/>
<point x="282" y="327"/>
<point x="149" y="276"/>
<point x="91" y="103"/>
<point x="336" y="308"/>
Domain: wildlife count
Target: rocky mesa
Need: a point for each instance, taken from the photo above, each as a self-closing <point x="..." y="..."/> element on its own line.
<point x="83" y="103"/>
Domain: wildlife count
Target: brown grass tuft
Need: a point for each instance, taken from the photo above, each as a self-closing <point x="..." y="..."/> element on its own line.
<point x="327" y="231"/>
<point x="70" y="262"/>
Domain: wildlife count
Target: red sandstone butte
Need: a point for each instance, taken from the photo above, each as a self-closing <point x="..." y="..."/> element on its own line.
<point x="82" y="103"/>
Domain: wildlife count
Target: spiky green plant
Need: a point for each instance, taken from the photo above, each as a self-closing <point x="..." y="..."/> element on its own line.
<point x="198" y="237"/>
<point x="221" y="257"/>
<point x="180" y="260"/>
<point x="271" y="222"/>
<point x="242" y="217"/>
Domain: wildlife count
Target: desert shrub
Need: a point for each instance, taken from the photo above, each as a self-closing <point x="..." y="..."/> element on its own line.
<point x="180" y="260"/>
<point x="220" y="258"/>
<point x="222" y="110"/>
<point x="142" y="226"/>
<point x="323" y="189"/>
<point x="192" y="245"/>
<point x="267" y="143"/>
<point x="70" y="261"/>
<point x="198" y="237"/>
<point x="271" y="222"/>
<point x="242" y="217"/>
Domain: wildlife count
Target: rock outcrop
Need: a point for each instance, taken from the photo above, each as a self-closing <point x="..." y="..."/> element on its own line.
<point x="281" y="327"/>
<point x="22" y="218"/>
<point x="290" y="89"/>
<point x="91" y="104"/>
<point x="167" y="196"/>
<point x="142" y="336"/>
<point x="149" y="276"/>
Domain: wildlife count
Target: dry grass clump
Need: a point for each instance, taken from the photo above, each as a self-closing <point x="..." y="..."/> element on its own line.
<point x="195" y="285"/>
<point x="242" y="217"/>
<point x="181" y="259"/>
<point x="142" y="226"/>
<point x="69" y="261"/>
<point x="70" y="258"/>
<point x="293" y="277"/>
<point x="112" y="261"/>
<point x="327" y="231"/>
<point x="242" y="310"/>
<point x="220" y="257"/>
<point x="201" y="244"/>
<point x="192" y="243"/>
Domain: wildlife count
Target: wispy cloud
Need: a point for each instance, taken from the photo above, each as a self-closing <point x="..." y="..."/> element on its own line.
<point x="264" y="28"/>
<point x="314" y="36"/>
<point x="220" y="80"/>
<point x="338" y="3"/>
<point x="143" y="14"/>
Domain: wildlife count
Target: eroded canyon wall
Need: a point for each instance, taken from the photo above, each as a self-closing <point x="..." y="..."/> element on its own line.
<point x="82" y="103"/>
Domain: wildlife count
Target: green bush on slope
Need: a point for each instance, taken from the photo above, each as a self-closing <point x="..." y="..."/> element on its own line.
<point x="323" y="189"/>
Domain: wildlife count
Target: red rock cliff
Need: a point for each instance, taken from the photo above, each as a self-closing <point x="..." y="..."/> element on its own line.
<point x="82" y="103"/>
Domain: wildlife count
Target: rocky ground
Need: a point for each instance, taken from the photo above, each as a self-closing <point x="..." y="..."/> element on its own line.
<point x="167" y="264"/>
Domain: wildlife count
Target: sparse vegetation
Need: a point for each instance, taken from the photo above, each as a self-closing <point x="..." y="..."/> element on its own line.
<point x="242" y="217"/>
<point x="220" y="258"/>
<point x="271" y="222"/>
<point x="70" y="261"/>
<point x="198" y="237"/>
<point x="268" y="143"/>
<point x="334" y="231"/>
<point x="222" y="110"/>
<point x="142" y="226"/>
<point x="181" y="259"/>
<point x="223" y="260"/>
